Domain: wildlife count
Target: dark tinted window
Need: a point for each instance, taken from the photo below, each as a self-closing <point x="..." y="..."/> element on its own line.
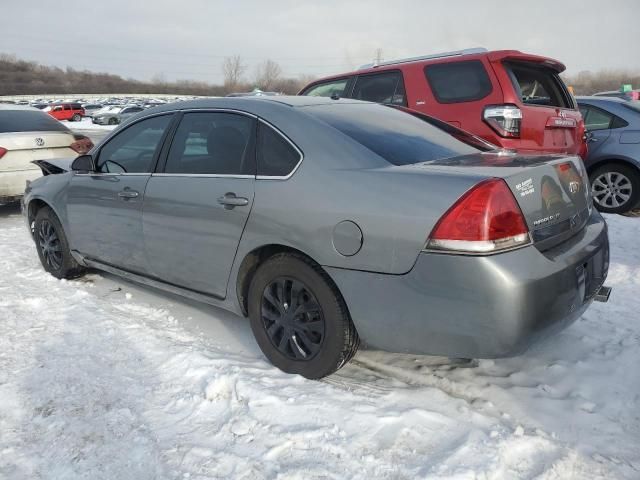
<point x="29" y="121"/>
<point x="327" y="89"/>
<point x="538" y="85"/>
<point x="458" y="81"/>
<point x="394" y="135"/>
<point x="133" y="150"/>
<point x="276" y="156"/>
<point x="212" y="143"/>
<point x="387" y="87"/>
<point x="596" y="119"/>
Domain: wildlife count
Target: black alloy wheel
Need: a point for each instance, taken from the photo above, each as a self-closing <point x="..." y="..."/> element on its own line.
<point x="50" y="246"/>
<point x="292" y="318"/>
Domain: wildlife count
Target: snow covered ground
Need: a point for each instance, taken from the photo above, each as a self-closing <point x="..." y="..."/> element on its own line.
<point x="87" y="124"/>
<point x="102" y="379"/>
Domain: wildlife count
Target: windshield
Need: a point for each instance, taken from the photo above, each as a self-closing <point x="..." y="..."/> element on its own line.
<point x="29" y="121"/>
<point x="398" y="137"/>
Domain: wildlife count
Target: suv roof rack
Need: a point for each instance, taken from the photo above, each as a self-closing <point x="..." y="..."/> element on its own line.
<point x="455" y="53"/>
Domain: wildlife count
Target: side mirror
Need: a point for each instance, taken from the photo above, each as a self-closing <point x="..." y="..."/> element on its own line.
<point x="84" y="163"/>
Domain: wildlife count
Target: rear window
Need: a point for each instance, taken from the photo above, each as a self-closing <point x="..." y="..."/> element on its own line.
<point x="537" y="85"/>
<point x="396" y="136"/>
<point x="458" y="81"/>
<point x="29" y="121"/>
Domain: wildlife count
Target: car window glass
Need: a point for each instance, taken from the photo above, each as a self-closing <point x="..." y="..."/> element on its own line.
<point x="597" y="119"/>
<point x="133" y="149"/>
<point x="538" y="86"/>
<point x="335" y="87"/>
<point x="29" y="121"/>
<point x="387" y="87"/>
<point x="276" y="156"/>
<point x="212" y="143"/>
<point x="458" y="81"/>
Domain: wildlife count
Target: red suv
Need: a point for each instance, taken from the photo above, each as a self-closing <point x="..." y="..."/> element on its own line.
<point x="66" y="111"/>
<point x="512" y="99"/>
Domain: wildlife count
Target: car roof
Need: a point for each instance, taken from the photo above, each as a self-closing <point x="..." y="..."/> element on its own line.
<point x="10" y="106"/>
<point x="601" y="98"/>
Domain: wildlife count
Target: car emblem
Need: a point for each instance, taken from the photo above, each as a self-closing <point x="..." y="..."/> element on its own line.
<point x="39" y="142"/>
<point x="562" y="114"/>
<point x="574" y="187"/>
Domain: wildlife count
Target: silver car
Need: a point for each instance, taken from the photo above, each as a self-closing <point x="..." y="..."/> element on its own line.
<point x="330" y="223"/>
<point x="115" y="114"/>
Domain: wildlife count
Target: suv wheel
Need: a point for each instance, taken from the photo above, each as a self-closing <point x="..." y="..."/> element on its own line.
<point x="76" y="117"/>
<point x="615" y="188"/>
<point x="299" y="318"/>
<point x="52" y="246"/>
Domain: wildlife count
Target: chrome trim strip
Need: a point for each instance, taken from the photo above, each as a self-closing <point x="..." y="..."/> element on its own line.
<point x="285" y="177"/>
<point x="201" y="175"/>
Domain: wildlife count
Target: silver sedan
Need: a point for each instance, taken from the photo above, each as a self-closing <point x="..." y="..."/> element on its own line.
<point x="331" y="223"/>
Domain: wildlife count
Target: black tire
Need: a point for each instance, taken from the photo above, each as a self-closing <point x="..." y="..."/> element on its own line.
<point x="113" y="121"/>
<point x="334" y="346"/>
<point x="76" y="117"/>
<point x="615" y="188"/>
<point x="54" y="254"/>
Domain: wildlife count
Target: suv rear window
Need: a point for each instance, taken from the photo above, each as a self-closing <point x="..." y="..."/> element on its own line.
<point x="458" y="81"/>
<point x="29" y="121"/>
<point x="399" y="138"/>
<point x="387" y="87"/>
<point x="537" y="85"/>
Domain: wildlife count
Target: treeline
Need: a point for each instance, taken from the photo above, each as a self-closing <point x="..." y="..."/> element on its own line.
<point x="587" y="82"/>
<point x="20" y="77"/>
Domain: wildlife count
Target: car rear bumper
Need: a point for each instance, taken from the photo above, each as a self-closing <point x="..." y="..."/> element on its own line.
<point x="12" y="183"/>
<point x="478" y="306"/>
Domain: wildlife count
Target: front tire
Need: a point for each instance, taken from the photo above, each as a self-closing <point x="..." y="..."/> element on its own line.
<point x="615" y="188"/>
<point x="52" y="246"/>
<point x="299" y="318"/>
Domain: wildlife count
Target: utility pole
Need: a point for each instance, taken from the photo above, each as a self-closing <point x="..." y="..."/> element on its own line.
<point x="378" y="58"/>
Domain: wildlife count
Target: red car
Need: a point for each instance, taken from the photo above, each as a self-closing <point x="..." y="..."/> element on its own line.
<point x="512" y="99"/>
<point x="66" y="111"/>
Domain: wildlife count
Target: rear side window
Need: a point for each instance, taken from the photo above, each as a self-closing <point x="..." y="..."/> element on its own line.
<point x="387" y="87"/>
<point x="458" y="81"/>
<point x="29" y="121"/>
<point x="598" y="119"/>
<point x="328" y="89"/>
<point x="396" y="136"/>
<point x="537" y="85"/>
<point x="276" y="156"/>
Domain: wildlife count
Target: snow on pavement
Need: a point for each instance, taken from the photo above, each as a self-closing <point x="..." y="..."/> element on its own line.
<point x="103" y="379"/>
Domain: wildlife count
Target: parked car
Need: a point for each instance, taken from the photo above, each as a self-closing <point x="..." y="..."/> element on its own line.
<point x="91" y="108"/>
<point x="72" y="112"/>
<point x="116" y="115"/>
<point x="613" y="162"/>
<point x="511" y="99"/>
<point x="28" y="134"/>
<point x="630" y="95"/>
<point x="328" y="222"/>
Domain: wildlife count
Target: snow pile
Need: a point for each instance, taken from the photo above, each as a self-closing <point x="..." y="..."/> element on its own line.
<point x="102" y="379"/>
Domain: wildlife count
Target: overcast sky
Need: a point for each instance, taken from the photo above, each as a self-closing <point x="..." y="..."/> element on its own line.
<point x="188" y="39"/>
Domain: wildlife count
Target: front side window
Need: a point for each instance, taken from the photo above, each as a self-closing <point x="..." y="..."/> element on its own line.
<point x="387" y="87"/>
<point x="328" y="89"/>
<point x="538" y="85"/>
<point x="276" y="156"/>
<point x="455" y="82"/>
<point x="213" y="143"/>
<point x="134" y="149"/>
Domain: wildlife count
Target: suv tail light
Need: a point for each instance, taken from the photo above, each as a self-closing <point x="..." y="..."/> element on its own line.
<point x="2" y="152"/>
<point x="82" y="144"/>
<point x="485" y="219"/>
<point x="504" y="119"/>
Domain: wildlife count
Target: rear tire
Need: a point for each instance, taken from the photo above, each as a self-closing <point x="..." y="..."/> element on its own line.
<point x="76" y="117"/>
<point x="615" y="188"/>
<point x="299" y="317"/>
<point x="52" y="246"/>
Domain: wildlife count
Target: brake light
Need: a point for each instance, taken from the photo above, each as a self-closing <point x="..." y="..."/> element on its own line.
<point x="485" y="219"/>
<point x="504" y="119"/>
<point x="82" y="144"/>
<point x="2" y="152"/>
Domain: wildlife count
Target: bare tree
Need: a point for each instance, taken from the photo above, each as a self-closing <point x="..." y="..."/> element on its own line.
<point x="267" y="75"/>
<point x="232" y="70"/>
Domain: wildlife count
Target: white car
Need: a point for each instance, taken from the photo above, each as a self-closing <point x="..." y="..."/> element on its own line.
<point x="28" y="134"/>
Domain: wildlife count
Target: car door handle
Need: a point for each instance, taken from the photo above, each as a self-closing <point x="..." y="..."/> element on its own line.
<point x="128" y="194"/>
<point x="229" y="200"/>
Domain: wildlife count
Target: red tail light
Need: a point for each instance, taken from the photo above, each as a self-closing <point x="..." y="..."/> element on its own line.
<point x="504" y="119"/>
<point x="82" y="144"/>
<point x="2" y="152"/>
<point x="484" y="220"/>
